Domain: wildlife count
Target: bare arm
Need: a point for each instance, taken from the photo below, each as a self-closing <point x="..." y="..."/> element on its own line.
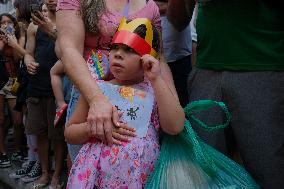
<point x="17" y="45"/>
<point x="78" y="131"/>
<point x="179" y="12"/>
<point x="56" y="72"/>
<point x="166" y="71"/>
<point x="171" y="114"/>
<point x="30" y="49"/>
<point x="170" y="111"/>
<point x="31" y="42"/>
<point x="168" y="77"/>
<point x="171" y="119"/>
<point x="101" y="113"/>
<point x="72" y="45"/>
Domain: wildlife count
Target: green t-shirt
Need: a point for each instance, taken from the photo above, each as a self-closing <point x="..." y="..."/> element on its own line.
<point x="241" y="35"/>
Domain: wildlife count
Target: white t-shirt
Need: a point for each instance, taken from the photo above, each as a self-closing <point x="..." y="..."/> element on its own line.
<point x="193" y="24"/>
<point x="176" y="44"/>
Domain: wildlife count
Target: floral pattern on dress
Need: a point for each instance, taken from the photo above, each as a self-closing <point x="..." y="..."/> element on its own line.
<point x="118" y="166"/>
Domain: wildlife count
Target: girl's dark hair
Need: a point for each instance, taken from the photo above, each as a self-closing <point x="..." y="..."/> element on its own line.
<point x="16" y="25"/>
<point x="141" y="31"/>
<point x="91" y="11"/>
<point x="24" y="8"/>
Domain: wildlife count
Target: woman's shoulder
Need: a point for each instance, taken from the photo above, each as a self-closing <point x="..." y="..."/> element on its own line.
<point x="150" y="11"/>
<point x="150" y="6"/>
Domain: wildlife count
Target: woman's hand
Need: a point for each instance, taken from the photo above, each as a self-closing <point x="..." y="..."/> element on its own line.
<point x="151" y="67"/>
<point x="102" y="116"/>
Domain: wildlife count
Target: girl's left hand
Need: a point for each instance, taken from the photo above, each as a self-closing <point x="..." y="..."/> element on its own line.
<point x="151" y="67"/>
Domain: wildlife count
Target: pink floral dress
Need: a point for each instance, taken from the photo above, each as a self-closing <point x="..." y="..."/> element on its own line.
<point x="128" y="166"/>
<point x="108" y="24"/>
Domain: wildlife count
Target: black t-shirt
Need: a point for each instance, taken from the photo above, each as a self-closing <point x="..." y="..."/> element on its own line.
<point x="40" y="83"/>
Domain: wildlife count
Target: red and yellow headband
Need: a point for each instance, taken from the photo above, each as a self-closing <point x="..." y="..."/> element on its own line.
<point x="125" y="35"/>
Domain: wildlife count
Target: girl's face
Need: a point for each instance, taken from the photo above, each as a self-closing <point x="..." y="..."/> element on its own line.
<point x="5" y="21"/>
<point x="125" y="64"/>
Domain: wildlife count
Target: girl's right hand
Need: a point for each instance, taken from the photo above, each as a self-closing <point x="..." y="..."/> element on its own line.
<point x="151" y="67"/>
<point x="122" y="133"/>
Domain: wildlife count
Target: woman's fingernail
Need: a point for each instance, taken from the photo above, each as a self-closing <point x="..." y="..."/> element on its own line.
<point x="117" y="123"/>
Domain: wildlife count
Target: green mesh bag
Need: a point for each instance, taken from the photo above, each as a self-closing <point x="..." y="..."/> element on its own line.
<point x="187" y="162"/>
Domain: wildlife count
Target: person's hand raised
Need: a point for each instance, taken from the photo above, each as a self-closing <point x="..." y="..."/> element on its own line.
<point x="151" y="66"/>
<point x="44" y="23"/>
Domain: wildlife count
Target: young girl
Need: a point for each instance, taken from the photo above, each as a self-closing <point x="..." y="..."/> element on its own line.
<point x="93" y="26"/>
<point x="146" y="103"/>
<point x="9" y="47"/>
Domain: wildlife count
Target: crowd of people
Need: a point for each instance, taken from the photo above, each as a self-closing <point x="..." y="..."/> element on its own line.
<point x="101" y="84"/>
